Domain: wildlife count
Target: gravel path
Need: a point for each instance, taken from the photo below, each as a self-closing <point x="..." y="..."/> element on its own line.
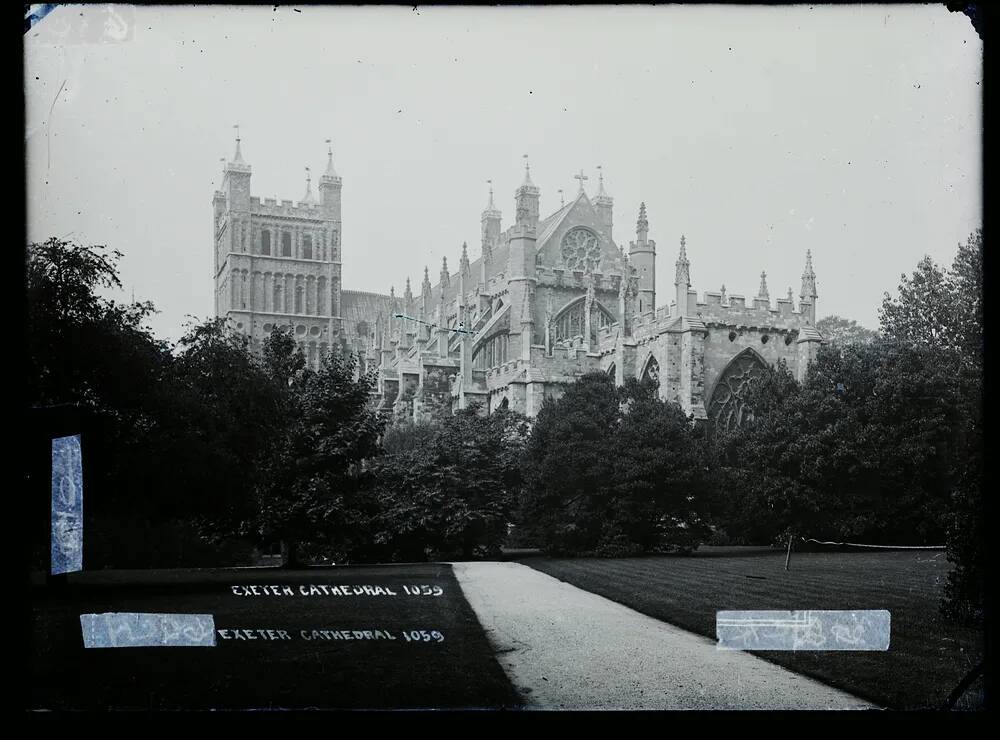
<point x="566" y="648"/>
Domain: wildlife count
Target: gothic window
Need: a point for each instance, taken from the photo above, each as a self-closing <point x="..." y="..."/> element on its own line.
<point x="571" y="321"/>
<point x="581" y="249"/>
<point x="265" y="242"/>
<point x="286" y="244"/>
<point x="729" y="406"/>
<point x="611" y="370"/>
<point x="307" y="247"/>
<point x="651" y="371"/>
<point x="492" y="353"/>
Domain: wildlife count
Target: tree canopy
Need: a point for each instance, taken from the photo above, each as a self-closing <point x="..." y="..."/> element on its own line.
<point x="613" y="471"/>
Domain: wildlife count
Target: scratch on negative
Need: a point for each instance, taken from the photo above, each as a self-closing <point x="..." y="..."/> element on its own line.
<point x="48" y="128"/>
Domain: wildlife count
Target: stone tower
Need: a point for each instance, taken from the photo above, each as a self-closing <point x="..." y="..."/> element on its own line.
<point x="642" y="256"/>
<point x="278" y="264"/>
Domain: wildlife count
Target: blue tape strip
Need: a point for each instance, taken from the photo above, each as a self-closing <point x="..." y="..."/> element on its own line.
<point x="129" y="629"/>
<point x="803" y="630"/>
<point x="67" y="505"/>
<point x="36" y="12"/>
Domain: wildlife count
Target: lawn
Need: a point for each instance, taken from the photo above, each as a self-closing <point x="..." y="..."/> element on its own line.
<point x="457" y="671"/>
<point x="927" y="656"/>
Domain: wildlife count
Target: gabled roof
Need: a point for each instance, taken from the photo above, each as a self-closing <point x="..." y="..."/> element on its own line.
<point x="357" y="306"/>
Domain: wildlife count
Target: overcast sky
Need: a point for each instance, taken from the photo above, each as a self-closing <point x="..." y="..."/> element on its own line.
<point x="755" y="132"/>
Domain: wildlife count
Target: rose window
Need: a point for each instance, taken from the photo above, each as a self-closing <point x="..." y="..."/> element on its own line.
<point x="581" y="250"/>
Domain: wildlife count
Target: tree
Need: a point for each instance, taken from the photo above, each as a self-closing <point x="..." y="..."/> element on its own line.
<point x="312" y="488"/>
<point x="613" y="471"/>
<point x="95" y="353"/>
<point x="837" y="330"/>
<point x="863" y="451"/>
<point x="449" y="488"/>
<point x="226" y="416"/>
<point x="943" y="311"/>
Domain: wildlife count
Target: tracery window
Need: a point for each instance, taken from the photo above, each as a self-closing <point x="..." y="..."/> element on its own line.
<point x="571" y="322"/>
<point x="581" y="249"/>
<point x="492" y="353"/>
<point x="729" y="407"/>
<point x="286" y="244"/>
<point x="651" y="371"/>
<point x="307" y="247"/>
<point x="265" y="242"/>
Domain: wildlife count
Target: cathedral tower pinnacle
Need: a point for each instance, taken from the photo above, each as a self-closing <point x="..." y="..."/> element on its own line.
<point x="604" y="203"/>
<point x="682" y="279"/>
<point x="807" y="295"/>
<point x="526" y="200"/>
<point x="642" y="256"/>
<point x="490" y="235"/>
<point x="330" y="186"/>
<point x="425" y="304"/>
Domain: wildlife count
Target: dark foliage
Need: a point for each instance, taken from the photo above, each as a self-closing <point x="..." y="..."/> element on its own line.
<point x="614" y="471"/>
<point x="449" y="489"/>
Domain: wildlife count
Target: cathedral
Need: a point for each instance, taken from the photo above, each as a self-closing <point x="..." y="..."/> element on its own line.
<point x="546" y="301"/>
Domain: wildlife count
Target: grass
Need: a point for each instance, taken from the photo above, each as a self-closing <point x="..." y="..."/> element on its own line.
<point x="927" y="656"/>
<point x="460" y="672"/>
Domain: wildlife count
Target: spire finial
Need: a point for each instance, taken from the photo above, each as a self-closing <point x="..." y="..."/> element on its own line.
<point x="808" y="279"/>
<point x="600" y="181"/>
<point x="330" y="172"/>
<point x="308" y="197"/>
<point x="239" y="156"/>
<point x="445" y="275"/>
<point x="762" y="293"/>
<point x="581" y="177"/>
<point x="490" y="206"/>
<point x="527" y="171"/>
<point x="683" y="272"/>
<point x="789" y="293"/>
<point x="723" y="294"/>
<point x="562" y="201"/>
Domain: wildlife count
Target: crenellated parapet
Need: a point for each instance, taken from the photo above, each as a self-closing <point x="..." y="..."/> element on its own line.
<point x="286" y="209"/>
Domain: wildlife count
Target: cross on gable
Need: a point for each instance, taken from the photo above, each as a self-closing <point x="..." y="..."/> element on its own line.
<point x="581" y="177"/>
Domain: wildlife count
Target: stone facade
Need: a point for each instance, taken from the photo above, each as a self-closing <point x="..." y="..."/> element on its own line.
<point x="279" y="264"/>
<point x="548" y="300"/>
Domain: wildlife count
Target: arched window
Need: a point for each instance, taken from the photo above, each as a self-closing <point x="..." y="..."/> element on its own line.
<point x="651" y="371"/>
<point x="286" y="244"/>
<point x="729" y="407"/>
<point x="492" y="353"/>
<point x="611" y="370"/>
<point x="570" y="322"/>
<point x="307" y="247"/>
<point x="265" y="242"/>
<point x="298" y="299"/>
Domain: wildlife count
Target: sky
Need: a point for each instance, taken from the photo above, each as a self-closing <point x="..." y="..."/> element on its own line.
<point x="756" y="132"/>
